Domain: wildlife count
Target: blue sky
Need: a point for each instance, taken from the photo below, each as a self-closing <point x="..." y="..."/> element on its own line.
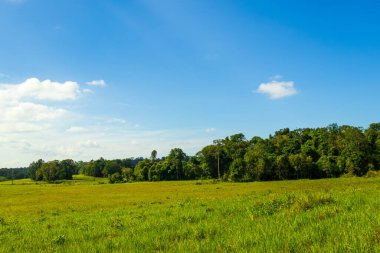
<point x="85" y="79"/>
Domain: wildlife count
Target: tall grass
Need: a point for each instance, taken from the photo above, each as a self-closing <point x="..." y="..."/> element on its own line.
<point x="331" y="215"/>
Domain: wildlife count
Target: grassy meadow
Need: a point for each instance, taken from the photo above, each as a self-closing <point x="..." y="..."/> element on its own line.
<point x="90" y="215"/>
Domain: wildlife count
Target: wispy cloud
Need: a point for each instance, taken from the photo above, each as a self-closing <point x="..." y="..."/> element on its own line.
<point x="100" y="83"/>
<point x="76" y="129"/>
<point x="277" y="89"/>
<point x="210" y="130"/>
<point x="89" y="144"/>
<point x="276" y="77"/>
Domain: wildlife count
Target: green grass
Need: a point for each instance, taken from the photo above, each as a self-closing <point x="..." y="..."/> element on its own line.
<point x="87" y="215"/>
<point x="2" y="179"/>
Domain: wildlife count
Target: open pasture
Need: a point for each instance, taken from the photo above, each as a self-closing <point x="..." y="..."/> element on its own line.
<point x="89" y="215"/>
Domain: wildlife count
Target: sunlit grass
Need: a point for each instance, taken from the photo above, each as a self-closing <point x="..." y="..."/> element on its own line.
<point x="88" y="215"/>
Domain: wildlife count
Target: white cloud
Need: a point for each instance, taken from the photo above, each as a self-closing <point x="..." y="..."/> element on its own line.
<point x="40" y="90"/>
<point x="100" y="83"/>
<point x="22" y="109"/>
<point x="26" y="111"/>
<point x="277" y="89"/>
<point x="21" y="127"/>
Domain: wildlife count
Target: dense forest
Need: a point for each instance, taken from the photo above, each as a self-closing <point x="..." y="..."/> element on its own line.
<point x="15" y="173"/>
<point x="302" y="153"/>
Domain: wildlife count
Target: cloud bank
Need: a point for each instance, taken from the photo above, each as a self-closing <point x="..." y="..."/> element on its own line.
<point x="27" y="106"/>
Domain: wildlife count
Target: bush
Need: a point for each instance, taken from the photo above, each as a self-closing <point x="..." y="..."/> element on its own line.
<point x="115" y="178"/>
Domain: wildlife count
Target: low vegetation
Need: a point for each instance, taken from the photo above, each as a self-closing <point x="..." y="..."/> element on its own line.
<point x="87" y="214"/>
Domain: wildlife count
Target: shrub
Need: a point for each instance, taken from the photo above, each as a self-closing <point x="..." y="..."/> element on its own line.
<point x="115" y="178"/>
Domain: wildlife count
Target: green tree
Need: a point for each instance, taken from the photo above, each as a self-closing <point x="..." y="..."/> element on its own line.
<point x="282" y="167"/>
<point x="49" y="171"/>
<point x="127" y="174"/>
<point x="141" y="170"/>
<point x="301" y="165"/>
<point x="328" y="164"/>
<point x="237" y="171"/>
<point x="175" y="159"/>
<point x="115" y="178"/>
<point x="66" y="169"/>
<point x="354" y="151"/>
<point x="258" y="160"/>
<point x="153" y="155"/>
<point x="33" y="168"/>
<point x="111" y="168"/>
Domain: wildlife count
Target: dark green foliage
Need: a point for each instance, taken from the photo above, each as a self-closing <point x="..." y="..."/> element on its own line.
<point x="115" y="178"/>
<point x="67" y="168"/>
<point x="176" y="167"/>
<point x="15" y="173"/>
<point x="112" y="167"/>
<point x="53" y="170"/>
<point x="33" y="168"/>
<point x="49" y="172"/>
<point x="142" y="170"/>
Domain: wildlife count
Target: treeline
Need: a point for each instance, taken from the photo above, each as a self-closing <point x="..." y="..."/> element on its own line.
<point x="65" y="169"/>
<point x="302" y="153"/>
<point x="15" y="173"/>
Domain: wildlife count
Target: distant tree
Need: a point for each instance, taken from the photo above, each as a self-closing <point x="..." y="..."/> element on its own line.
<point x="354" y="151"/>
<point x="237" y="171"/>
<point x="49" y="171"/>
<point x="127" y="174"/>
<point x="112" y="167"/>
<point x="153" y="155"/>
<point x="66" y="169"/>
<point x="301" y="165"/>
<point x="194" y="169"/>
<point x="235" y="146"/>
<point x="115" y="178"/>
<point x="175" y="160"/>
<point x="328" y="164"/>
<point x="99" y="167"/>
<point x="141" y="170"/>
<point x="258" y="160"/>
<point x="282" y="167"/>
<point x="33" y="168"/>
<point x="209" y="160"/>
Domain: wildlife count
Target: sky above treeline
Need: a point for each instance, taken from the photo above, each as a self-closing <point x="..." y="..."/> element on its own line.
<point x="84" y="79"/>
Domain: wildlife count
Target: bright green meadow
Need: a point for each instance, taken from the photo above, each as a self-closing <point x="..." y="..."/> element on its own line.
<point x="90" y="215"/>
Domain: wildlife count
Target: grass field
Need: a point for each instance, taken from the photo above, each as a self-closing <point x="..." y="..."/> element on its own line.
<point x="89" y="215"/>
